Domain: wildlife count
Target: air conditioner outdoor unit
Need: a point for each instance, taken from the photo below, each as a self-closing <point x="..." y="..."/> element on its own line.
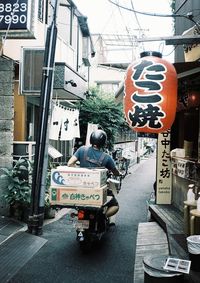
<point x="24" y="150"/>
<point x="31" y="70"/>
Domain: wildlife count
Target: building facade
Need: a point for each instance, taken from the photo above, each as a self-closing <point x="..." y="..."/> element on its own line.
<point x="23" y="37"/>
<point x="186" y="128"/>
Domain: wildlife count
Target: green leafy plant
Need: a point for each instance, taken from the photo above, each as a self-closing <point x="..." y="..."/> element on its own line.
<point x="49" y="211"/>
<point x="48" y="180"/>
<point x="48" y="183"/>
<point x="18" y="183"/>
<point x="101" y="108"/>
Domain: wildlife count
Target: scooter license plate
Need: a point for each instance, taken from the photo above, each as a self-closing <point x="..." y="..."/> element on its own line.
<point x="82" y="224"/>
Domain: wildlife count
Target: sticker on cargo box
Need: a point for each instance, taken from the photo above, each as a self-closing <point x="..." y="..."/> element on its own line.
<point x="56" y="195"/>
<point x="90" y="179"/>
<point x="82" y="196"/>
<point x="58" y="178"/>
<point x="77" y="196"/>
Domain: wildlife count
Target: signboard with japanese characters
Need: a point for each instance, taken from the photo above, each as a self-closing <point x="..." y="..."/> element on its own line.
<point x="181" y="168"/>
<point x="17" y="18"/>
<point x="184" y="168"/>
<point x="150" y="97"/>
<point x="164" y="172"/>
<point x="191" y="51"/>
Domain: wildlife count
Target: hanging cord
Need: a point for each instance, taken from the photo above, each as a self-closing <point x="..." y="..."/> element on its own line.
<point x="7" y="31"/>
<point x="187" y="16"/>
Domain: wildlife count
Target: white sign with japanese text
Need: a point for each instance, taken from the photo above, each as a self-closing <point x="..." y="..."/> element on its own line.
<point x="181" y="168"/>
<point x="164" y="172"/>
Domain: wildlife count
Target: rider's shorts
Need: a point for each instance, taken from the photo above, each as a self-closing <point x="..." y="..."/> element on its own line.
<point x="113" y="201"/>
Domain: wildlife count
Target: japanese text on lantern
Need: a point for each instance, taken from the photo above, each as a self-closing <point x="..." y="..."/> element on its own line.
<point x="150" y="95"/>
<point x="163" y="169"/>
<point x="146" y="110"/>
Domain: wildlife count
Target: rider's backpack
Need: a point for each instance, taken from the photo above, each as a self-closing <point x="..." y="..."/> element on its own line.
<point x="99" y="162"/>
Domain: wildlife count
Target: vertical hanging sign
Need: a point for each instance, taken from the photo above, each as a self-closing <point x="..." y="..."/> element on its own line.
<point x="164" y="172"/>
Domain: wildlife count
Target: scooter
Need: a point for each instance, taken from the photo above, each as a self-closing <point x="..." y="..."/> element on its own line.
<point x="91" y="223"/>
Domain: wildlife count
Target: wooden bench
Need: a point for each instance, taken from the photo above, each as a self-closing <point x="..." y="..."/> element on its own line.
<point x="151" y="240"/>
<point x="170" y="215"/>
<point x="172" y="222"/>
<point x="158" y="238"/>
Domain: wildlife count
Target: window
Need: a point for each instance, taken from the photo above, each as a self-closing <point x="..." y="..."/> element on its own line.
<point x="31" y="70"/>
<point x="66" y="23"/>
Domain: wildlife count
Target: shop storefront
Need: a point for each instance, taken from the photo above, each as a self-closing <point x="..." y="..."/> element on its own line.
<point x="185" y="133"/>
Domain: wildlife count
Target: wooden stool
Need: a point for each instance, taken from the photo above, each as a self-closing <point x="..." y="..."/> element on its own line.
<point x="188" y="205"/>
<point x="193" y="213"/>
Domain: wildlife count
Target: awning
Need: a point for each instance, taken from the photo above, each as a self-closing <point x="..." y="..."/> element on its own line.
<point x="185" y="69"/>
<point x="188" y="76"/>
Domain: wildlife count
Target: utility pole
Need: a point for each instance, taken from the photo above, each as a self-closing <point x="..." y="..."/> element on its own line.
<point x="36" y="216"/>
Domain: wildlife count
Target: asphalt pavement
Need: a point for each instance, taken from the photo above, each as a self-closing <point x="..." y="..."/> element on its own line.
<point x="59" y="259"/>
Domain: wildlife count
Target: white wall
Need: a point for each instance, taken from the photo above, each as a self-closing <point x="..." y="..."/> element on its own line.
<point x="12" y="47"/>
<point x="65" y="52"/>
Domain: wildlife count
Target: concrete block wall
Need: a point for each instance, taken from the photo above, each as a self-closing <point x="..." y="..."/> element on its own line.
<point x="6" y="122"/>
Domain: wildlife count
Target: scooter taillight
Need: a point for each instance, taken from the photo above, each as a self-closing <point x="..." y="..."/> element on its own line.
<point x="81" y="214"/>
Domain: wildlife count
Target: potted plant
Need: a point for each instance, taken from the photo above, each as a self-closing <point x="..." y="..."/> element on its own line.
<point x="18" y="191"/>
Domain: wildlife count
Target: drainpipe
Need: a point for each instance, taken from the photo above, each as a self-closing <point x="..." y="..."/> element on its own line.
<point x="36" y="216"/>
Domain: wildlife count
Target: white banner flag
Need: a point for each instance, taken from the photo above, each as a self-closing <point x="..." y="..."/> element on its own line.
<point x="91" y="128"/>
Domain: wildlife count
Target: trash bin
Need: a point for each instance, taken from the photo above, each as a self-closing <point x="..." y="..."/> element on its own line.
<point x="155" y="273"/>
<point x="193" y="243"/>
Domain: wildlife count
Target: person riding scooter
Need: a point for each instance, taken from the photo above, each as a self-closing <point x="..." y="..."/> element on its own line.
<point x="93" y="156"/>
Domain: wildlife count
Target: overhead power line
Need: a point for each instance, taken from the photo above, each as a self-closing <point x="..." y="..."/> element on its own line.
<point x="180" y="6"/>
<point x="188" y="16"/>
<point x="146" y="13"/>
<point x="137" y="20"/>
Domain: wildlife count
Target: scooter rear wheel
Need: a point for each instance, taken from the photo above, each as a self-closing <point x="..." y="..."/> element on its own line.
<point x="85" y="245"/>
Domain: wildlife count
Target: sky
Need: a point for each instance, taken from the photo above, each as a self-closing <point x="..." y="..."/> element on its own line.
<point x="106" y="18"/>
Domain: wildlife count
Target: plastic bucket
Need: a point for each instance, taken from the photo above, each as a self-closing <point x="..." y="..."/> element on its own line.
<point x="155" y="273"/>
<point x="193" y="243"/>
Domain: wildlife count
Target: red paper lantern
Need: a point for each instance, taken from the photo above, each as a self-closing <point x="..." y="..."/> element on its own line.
<point x="150" y="97"/>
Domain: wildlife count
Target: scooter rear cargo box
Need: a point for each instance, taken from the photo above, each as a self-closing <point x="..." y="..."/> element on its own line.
<point x="78" y="196"/>
<point x="64" y="176"/>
